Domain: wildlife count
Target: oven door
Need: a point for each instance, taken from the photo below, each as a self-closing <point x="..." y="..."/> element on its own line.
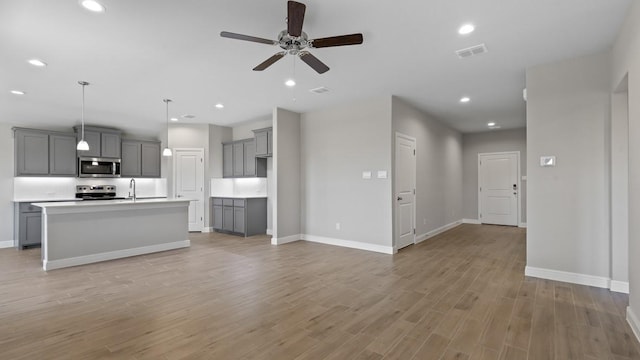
<point x="98" y="168"/>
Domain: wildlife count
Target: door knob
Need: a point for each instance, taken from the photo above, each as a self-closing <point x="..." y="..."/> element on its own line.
<point x="399" y="198"/>
<point x="515" y="193"/>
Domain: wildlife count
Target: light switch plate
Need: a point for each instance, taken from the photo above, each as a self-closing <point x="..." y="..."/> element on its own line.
<point x="366" y="175"/>
<point x="382" y="174"/>
<point x="546" y="161"/>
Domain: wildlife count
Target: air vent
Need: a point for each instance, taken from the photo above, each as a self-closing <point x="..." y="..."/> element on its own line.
<point x="471" y="51"/>
<point x="188" y="116"/>
<point x="319" y="90"/>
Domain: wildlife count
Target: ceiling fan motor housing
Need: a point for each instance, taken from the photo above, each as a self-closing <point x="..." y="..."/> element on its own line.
<point x="293" y="44"/>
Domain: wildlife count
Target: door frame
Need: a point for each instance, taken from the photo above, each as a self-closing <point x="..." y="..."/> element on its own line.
<point x="518" y="179"/>
<point x="393" y="195"/>
<point x="204" y="176"/>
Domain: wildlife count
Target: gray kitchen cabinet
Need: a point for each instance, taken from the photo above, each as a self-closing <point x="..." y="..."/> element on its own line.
<point x="110" y="145"/>
<point x="62" y="155"/>
<point x="264" y="142"/>
<point x="244" y="216"/>
<point x="103" y="142"/>
<point x="227" y="160"/>
<point x="140" y="158"/>
<point x="29" y="225"/>
<point x="93" y="139"/>
<point x="249" y="149"/>
<point x="238" y="159"/>
<point x="42" y="153"/>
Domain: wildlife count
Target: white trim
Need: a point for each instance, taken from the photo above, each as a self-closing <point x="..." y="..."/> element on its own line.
<point x="632" y="319"/>
<point x="523" y="225"/>
<point x="349" y="244"/>
<point x="269" y="232"/>
<point x="619" y="286"/>
<point x="6" y="244"/>
<point x="111" y="255"/>
<point x="518" y="177"/>
<point x="574" y="278"/>
<point x="437" y="231"/>
<point x="207" y="229"/>
<point x="471" y="221"/>
<point x="286" y="239"/>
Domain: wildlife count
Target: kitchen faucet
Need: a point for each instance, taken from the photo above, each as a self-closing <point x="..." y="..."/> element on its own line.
<point x="132" y="183"/>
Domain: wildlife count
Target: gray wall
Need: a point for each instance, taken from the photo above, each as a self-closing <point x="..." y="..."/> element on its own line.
<point x="245" y="130"/>
<point x="217" y="135"/>
<point x="619" y="216"/>
<point x="438" y="166"/>
<point x="568" y="110"/>
<point x="337" y="145"/>
<point x="626" y="60"/>
<point x="286" y="169"/>
<point x="487" y="142"/>
<point x="6" y="184"/>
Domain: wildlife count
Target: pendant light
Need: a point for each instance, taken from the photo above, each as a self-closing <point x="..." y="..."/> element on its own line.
<point x="82" y="144"/>
<point x="167" y="151"/>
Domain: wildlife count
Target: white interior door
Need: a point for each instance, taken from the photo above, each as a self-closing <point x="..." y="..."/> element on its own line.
<point x="189" y="183"/>
<point x="405" y="184"/>
<point x="498" y="188"/>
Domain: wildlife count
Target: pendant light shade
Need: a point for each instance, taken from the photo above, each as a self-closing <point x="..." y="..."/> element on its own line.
<point x="167" y="150"/>
<point x="82" y="144"/>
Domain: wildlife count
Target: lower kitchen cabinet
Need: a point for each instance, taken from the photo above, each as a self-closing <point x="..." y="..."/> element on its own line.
<point x="28" y="225"/>
<point x="243" y="216"/>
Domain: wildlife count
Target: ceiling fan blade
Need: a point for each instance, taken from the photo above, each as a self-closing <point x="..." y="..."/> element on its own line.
<point x="295" y="17"/>
<point x="351" y="39"/>
<point x="231" y="35"/>
<point x="270" y="61"/>
<point x="314" y="62"/>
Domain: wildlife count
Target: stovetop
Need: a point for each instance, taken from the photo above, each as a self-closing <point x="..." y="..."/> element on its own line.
<point x="97" y="192"/>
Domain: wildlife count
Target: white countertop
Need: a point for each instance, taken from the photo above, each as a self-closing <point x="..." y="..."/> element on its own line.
<point x="239" y="197"/>
<point x="127" y="202"/>
<point x="74" y="199"/>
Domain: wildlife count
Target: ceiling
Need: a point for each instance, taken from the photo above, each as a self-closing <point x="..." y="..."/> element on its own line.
<point x="139" y="52"/>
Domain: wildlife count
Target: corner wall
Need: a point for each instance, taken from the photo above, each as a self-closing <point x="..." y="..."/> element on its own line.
<point x="6" y="186"/>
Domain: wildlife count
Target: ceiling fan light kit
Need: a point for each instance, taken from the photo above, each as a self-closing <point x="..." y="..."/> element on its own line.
<point x="294" y="41"/>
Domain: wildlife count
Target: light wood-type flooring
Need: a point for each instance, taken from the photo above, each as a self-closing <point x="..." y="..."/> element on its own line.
<point x="460" y="295"/>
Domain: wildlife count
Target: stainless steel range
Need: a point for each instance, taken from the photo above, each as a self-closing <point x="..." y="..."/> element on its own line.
<point x="97" y="192"/>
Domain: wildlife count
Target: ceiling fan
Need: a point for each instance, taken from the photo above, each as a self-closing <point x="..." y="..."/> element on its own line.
<point x="294" y="41"/>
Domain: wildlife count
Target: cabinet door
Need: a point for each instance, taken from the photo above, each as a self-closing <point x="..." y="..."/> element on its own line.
<point x="62" y="155"/>
<point x="249" y="158"/>
<point x="270" y="143"/>
<point x="150" y="159"/>
<point x="217" y="217"/>
<point x="227" y="160"/>
<point x="238" y="159"/>
<point x="227" y="218"/>
<point x="130" y="166"/>
<point x="238" y="219"/>
<point x="261" y="143"/>
<point x="30" y="229"/>
<point x="93" y="139"/>
<point x="32" y="153"/>
<point x="110" y="145"/>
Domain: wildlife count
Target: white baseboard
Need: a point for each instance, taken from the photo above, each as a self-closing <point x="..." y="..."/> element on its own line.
<point x="207" y="229"/>
<point x="6" y="244"/>
<point x="471" y="221"/>
<point x="269" y="232"/>
<point x="349" y="244"/>
<point x="111" y="255"/>
<point x="632" y="319"/>
<point x="522" y="225"/>
<point x="432" y="233"/>
<point x="619" y="286"/>
<point x="574" y="278"/>
<point x="286" y="239"/>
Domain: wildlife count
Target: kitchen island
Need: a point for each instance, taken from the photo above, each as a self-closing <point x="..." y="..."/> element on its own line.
<point x="82" y="232"/>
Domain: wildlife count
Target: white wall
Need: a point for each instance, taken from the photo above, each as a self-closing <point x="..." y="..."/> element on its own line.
<point x="438" y="167"/>
<point x="568" y="111"/>
<point x="626" y="61"/>
<point x="244" y="130"/>
<point x="337" y="145"/>
<point x="619" y="216"/>
<point x="6" y="185"/>
<point x="217" y="135"/>
<point x="286" y="174"/>
<point x="487" y="142"/>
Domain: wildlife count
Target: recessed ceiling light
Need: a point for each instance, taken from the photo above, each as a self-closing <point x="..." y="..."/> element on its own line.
<point x="17" y="92"/>
<point x="219" y="106"/>
<point x="466" y="29"/>
<point x="174" y="119"/>
<point x="290" y="83"/>
<point x="92" y="5"/>
<point x="465" y="99"/>
<point x="491" y="124"/>
<point x="37" y="62"/>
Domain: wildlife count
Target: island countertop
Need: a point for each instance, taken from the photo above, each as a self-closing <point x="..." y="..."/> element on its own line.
<point x="101" y="204"/>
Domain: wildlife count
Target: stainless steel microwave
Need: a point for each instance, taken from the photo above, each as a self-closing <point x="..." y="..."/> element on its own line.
<point x="98" y="167"/>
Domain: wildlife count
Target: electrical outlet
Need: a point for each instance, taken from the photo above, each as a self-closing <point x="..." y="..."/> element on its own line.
<point x="337" y="226"/>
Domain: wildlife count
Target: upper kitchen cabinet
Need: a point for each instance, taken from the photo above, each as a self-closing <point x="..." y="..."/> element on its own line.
<point x="239" y="160"/>
<point x="42" y="153"/>
<point x="227" y="160"/>
<point x="103" y="142"/>
<point x="264" y="142"/>
<point x="140" y="158"/>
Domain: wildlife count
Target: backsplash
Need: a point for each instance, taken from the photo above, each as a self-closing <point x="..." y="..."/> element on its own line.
<point x="239" y="187"/>
<point x="53" y="188"/>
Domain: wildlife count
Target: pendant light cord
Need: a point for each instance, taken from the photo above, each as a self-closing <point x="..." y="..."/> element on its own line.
<point x="83" y="85"/>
